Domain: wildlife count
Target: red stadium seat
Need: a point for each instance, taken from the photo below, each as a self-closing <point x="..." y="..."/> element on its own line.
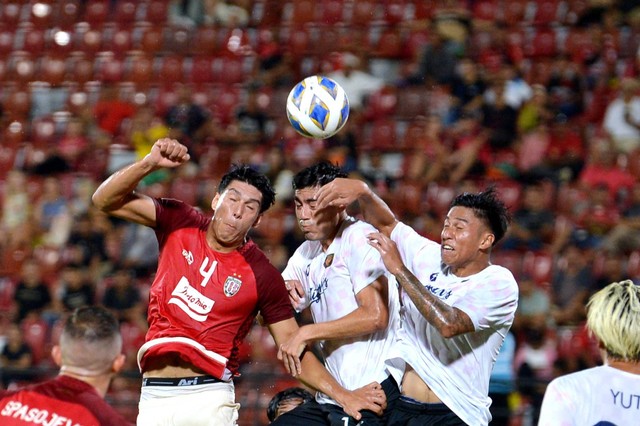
<point x="547" y="12"/>
<point x="439" y="198"/>
<point x="10" y="13"/>
<point x="34" y="41"/>
<point x="389" y="44"/>
<point x="156" y="11"/>
<point x="152" y="40"/>
<point x="68" y="14"/>
<point x="510" y="259"/>
<point x="381" y="103"/>
<point x="486" y="10"/>
<point x="539" y="266"/>
<point x="125" y="12"/>
<point x="412" y="101"/>
<point x="53" y="70"/>
<point x="205" y="41"/>
<point x="96" y="12"/>
<point x="119" y="41"/>
<point x="542" y="44"/>
<point x="332" y="11"/>
<point x="364" y="11"/>
<point x="201" y="71"/>
<point x="304" y="12"/>
<point x="36" y="335"/>
<point x="395" y="11"/>
<point x="381" y="135"/>
<point x="171" y="70"/>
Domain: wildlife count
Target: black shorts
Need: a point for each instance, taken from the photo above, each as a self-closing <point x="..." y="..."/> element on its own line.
<point x="314" y="414"/>
<point x="409" y="412"/>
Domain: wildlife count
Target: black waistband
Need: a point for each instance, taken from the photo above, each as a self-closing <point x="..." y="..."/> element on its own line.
<point x="179" y="381"/>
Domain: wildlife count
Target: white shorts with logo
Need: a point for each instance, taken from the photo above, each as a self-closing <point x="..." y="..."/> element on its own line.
<point x="211" y="404"/>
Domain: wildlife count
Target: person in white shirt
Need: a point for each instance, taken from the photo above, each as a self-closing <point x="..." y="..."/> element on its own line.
<point x="457" y="307"/>
<point x="608" y="394"/>
<point x="355" y="307"/>
<point x="621" y="120"/>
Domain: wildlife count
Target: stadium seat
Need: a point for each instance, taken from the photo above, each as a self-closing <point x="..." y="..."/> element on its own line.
<point x="156" y="11"/>
<point x="96" y="12"/>
<point x="395" y="11"/>
<point x="7" y="290"/>
<point x="364" y="11"/>
<point x="332" y="12"/>
<point x="119" y="41"/>
<point x="68" y="14"/>
<point x="139" y="70"/>
<point x="34" y="41"/>
<point x="381" y="103"/>
<point x="514" y="12"/>
<point x="510" y="259"/>
<point x="52" y="70"/>
<point x="7" y="42"/>
<point x="539" y="266"/>
<point x="381" y="135"/>
<point x="151" y="39"/>
<point x="423" y="10"/>
<point x="171" y="70"/>
<point x="510" y="192"/>
<point x="388" y="44"/>
<point x="10" y="14"/>
<point x="542" y="44"/>
<point x="412" y="101"/>
<point x="17" y="105"/>
<point x="36" y="334"/>
<point x="304" y="12"/>
<point x="125" y="12"/>
<point x="486" y="10"/>
<point x="547" y="12"/>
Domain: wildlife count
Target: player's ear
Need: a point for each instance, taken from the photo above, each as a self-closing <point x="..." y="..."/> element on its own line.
<point x="56" y="354"/>
<point x="118" y="363"/>
<point x="257" y="221"/>
<point x="487" y="241"/>
<point x="214" y="202"/>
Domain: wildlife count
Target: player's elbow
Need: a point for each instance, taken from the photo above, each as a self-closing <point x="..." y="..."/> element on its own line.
<point x="380" y="321"/>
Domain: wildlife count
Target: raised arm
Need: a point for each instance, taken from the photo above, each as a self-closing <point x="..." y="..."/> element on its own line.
<point x="316" y="376"/>
<point x="342" y="192"/>
<point x="371" y="315"/>
<point x="117" y="196"/>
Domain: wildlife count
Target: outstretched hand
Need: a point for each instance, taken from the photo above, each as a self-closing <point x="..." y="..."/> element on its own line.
<point x="388" y="251"/>
<point x="340" y="193"/>
<point x="167" y="153"/>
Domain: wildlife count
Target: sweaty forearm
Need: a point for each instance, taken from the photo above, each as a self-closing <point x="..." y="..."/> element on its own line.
<point x="118" y="188"/>
<point x="449" y="321"/>
<point x="376" y="212"/>
<point x="315" y="375"/>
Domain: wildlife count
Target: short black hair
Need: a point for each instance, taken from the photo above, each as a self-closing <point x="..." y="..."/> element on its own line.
<point x="247" y="174"/>
<point x="488" y="207"/>
<point x="318" y="174"/>
<point x="283" y="395"/>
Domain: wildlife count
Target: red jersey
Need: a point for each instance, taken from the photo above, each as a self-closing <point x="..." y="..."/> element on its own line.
<point x="202" y="303"/>
<point x="63" y="401"/>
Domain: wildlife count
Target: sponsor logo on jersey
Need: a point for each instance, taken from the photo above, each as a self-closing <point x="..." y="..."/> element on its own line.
<point x="188" y="255"/>
<point x="191" y="301"/>
<point x="232" y="285"/>
<point x="328" y="260"/>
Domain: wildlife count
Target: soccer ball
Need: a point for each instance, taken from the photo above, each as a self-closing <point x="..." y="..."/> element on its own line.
<point x="317" y="107"/>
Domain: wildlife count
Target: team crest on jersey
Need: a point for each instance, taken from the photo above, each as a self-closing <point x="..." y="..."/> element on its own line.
<point x="232" y="286"/>
<point x="328" y="260"/>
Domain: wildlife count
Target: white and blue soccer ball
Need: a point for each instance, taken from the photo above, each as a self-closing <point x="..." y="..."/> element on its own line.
<point x="317" y="107"/>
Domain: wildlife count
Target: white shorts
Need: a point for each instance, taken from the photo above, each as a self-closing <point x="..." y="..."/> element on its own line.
<point x="210" y="404"/>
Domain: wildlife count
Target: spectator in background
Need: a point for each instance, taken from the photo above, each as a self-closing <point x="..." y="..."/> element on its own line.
<point x="499" y="118"/>
<point x="86" y="245"/>
<point x="16" y="358"/>
<point x="138" y="248"/>
<point x="502" y="382"/>
<point x="16" y="209"/>
<point x="570" y="285"/>
<point x="250" y="124"/>
<point x="111" y="110"/>
<point x="604" y="394"/>
<point x="89" y="355"/>
<point x="534" y="307"/>
<point x="535" y="111"/>
<point x="74" y="289"/>
<point x="356" y="80"/>
<point x="74" y="143"/>
<point x="32" y="295"/>
<point x="436" y="62"/>
<point x="533" y="222"/>
<point x="622" y="118"/>
<point x="566" y="87"/>
<point x="602" y="169"/>
<point x="468" y="87"/>
<point x="187" y="121"/>
<point x="286" y="400"/>
<point x="624" y="237"/>
<point x="123" y="297"/>
<point x="52" y="213"/>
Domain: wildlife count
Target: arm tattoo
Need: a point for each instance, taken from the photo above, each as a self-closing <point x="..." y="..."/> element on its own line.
<point x="449" y="321"/>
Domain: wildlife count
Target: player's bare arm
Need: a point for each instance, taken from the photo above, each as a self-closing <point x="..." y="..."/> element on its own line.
<point x="372" y="315"/>
<point x="116" y="195"/>
<point x="312" y="373"/>
<point x="448" y="320"/>
<point x="342" y="192"/>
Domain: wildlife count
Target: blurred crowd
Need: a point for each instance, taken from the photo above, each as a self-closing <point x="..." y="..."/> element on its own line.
<point x="538" y="98"/>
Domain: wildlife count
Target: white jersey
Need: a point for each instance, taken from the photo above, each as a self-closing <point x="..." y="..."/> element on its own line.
<point x="456" y="369"/>
<point x="331" y="281"/>
<point x="596" y="396"/>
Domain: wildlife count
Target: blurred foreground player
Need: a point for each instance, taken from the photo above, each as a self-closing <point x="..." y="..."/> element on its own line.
<point x="210" y="284"/>
<point x="608" y="394"/>
<point x="457" y="307"/>
<point x="89" y="355"/>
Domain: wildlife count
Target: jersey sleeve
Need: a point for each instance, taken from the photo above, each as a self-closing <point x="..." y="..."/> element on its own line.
<point x="364" y="262"/>
<point x="492" y="302"/>
<point x="172" y="214"/>
<point x="416" y="251"/>
<point x="295" y="271"/>
<point x="558" y="406"/>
